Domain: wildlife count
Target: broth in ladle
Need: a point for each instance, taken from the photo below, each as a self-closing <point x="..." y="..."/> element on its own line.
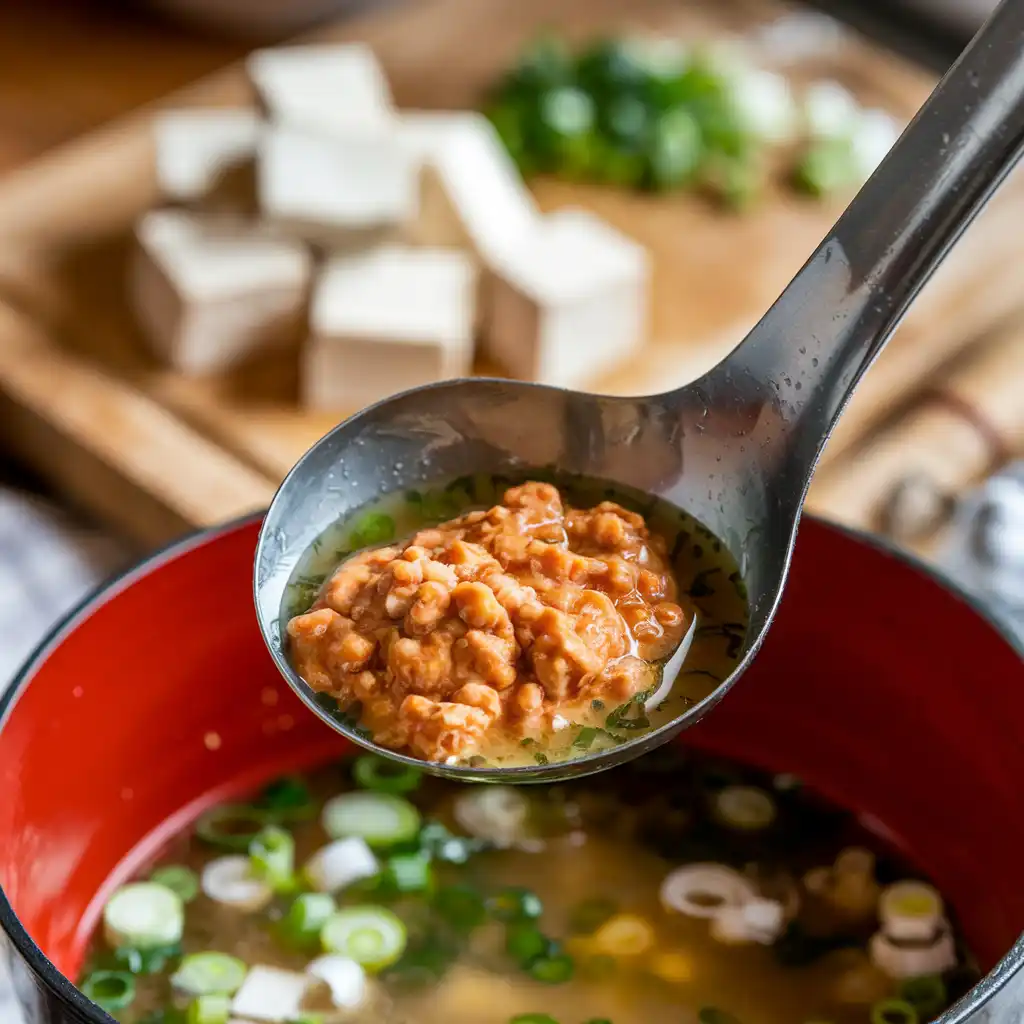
<point x="492" y="624"/>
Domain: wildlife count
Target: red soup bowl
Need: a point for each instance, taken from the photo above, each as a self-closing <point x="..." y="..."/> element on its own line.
<point x="878" y="684"/>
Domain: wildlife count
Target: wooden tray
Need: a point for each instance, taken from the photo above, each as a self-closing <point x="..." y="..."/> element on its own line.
<point x="156" y="452"/>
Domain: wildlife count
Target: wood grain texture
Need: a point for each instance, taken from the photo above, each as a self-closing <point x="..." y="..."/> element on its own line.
<point x="114" y="449"/>
<point x="67" y="66"/>
<point x="64" y="222"/>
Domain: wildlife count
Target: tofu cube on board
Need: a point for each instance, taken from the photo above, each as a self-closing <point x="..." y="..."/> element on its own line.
<point x="196" y="150"/>
<point x="208" y="292"/>
<point x="471" y="193"/>
<point x="330" y="188"/>
<point x="569" y="302"/>
<point x="321" y="87"/>
<point x="386" y="320"/>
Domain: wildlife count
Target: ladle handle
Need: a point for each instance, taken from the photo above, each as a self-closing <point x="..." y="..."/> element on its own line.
<point x="814" y="344"/>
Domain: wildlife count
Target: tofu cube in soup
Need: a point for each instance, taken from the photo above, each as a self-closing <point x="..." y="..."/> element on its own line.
<point x="386" y="320"/>
<point x="330" y="187"/>
<point x="209" y="292"/>
<point x="196" y="150"/>
<point x="271" y="995"/>
<point x="471" y="193"/>
<point x="321" y="87"/>
<point x="568" y="302"/>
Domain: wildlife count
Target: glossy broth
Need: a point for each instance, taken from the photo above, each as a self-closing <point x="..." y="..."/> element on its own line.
<point x="593" y="851"/>
<point x="707" y="576"/>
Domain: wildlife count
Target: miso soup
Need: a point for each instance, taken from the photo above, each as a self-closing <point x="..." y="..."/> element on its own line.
<point x="677" y="889"/>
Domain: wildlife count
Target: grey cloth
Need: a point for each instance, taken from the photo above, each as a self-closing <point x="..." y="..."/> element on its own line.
<point x="48" y="563"/>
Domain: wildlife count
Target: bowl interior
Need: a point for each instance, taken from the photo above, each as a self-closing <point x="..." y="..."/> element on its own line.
<point x="882" y="689"/>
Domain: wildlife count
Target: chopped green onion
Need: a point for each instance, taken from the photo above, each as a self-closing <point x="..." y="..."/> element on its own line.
<point x="425" y="960"/>
<point x="305" y="918"/>
<point x="827" y="166"/>
<point x="408" y="872"/>
<point x="372" y="528"/>
<point x="630" y="714"/>
<point x="608" y="67"/>
<point x="532" y="1018"/>
<point x="586" y="917"/>
<point x="598" y="1020"/>
<point x="893" y="1011"/>
<point x="585" y="737"/>
<point x="461" y="906"/>
<point x="525" y="942"/>
<point x="146" y="961"/>
<point x="232" y="826"/>
<point x="552" y="970"/>
<point x="372" y="936"/>
<point x="168" y="1015"/>
<point x="564" y="130"/>
<point x="381" y="819"/>
<point x="442" y="845"/>
<point x="544" y="63"/>
<point x="143" y="915"/>
<point x="384" y="776"/>
<point x="109" y="990"/>
<point x="272" y="853"/>
<point x="927" y="994"/>
<point x="210" y="973"/>
<point x="515" y="904"/>
<point x="713" y="1015"/>
<point x="211" y="1009"/>
<point x="745" y="808"/>
<point x="179" y="879"/>
<point x="288" y="799"/>
<point x="675" y="149"/>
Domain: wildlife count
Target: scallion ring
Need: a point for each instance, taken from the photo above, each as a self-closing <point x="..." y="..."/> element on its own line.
<point x="893" y="1011"/>
<point x="383" y="776"/>
<point x="209" y="973"/>
<point x="232" y="826"/>
<point x="109" y="990"/>
<point x="179" y="879"/>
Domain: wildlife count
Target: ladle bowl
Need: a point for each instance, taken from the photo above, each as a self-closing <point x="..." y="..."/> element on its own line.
<point x="737" y="447"/>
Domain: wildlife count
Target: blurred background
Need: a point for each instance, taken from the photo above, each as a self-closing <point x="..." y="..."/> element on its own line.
<point x="124" y="419"/>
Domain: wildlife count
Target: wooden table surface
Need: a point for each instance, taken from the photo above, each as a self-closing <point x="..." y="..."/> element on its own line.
<point x="69" y="65"/>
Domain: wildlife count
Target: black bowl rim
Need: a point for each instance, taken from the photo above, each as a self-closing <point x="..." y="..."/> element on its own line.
<point x="56" y="983"/>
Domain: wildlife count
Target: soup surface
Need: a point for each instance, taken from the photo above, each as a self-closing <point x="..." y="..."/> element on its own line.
<point x="678" y="888"/>
<point x="534" y="627"/>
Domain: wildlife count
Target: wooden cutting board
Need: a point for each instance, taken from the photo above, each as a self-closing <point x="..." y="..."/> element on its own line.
<point x="157" y="452"/>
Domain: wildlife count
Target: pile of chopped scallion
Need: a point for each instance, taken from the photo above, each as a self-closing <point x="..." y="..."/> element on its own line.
<point x="655" y="115"/>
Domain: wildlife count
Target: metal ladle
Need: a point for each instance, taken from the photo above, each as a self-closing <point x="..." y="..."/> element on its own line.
<point x="735" y="448"/>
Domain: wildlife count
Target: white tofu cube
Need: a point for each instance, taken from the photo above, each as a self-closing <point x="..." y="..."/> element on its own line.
<point x="471" y="193"/>
<point x="209" y="292"/>
<point x="196" y="149"/>
<point x="569" y="302"/>
<point x="340" y="863"/>
<point x="321" y="87"/>
<point x="387" y="320"/>
<point x="329" y="186"/>
<point x="270" y="994"/>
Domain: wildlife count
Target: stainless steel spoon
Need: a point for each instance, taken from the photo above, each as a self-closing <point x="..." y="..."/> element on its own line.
<point x="737" y="447"/>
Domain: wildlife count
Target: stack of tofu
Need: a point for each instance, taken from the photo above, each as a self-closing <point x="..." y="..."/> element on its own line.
<point x="381" y="246"/>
